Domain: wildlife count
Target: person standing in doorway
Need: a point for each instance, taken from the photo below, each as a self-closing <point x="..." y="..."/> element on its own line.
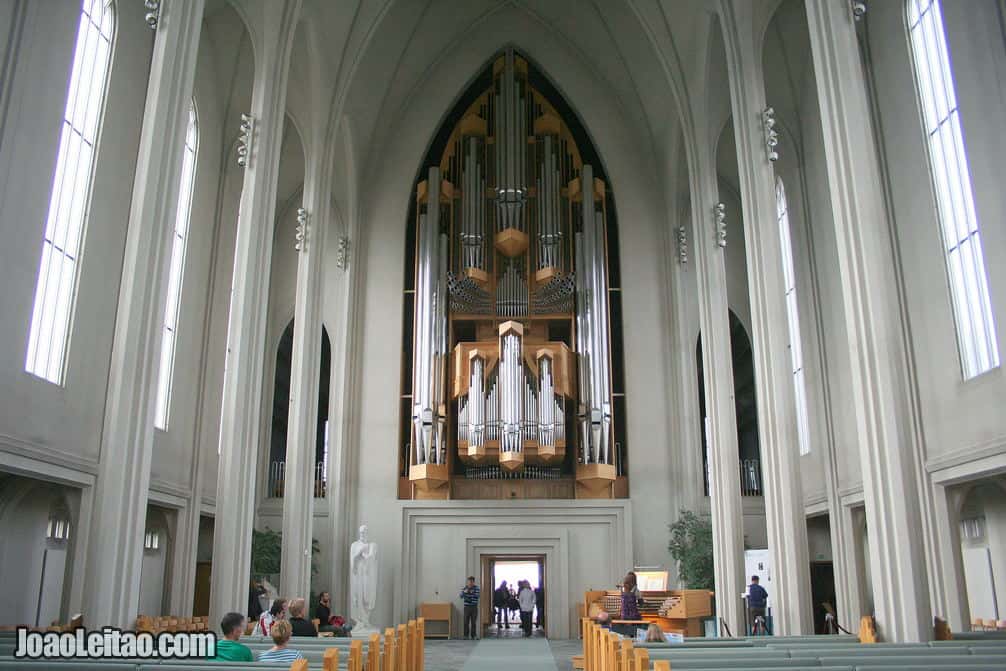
<point x="757" y="602"/>
<point x="539" y="606"/>
<point x="525" y="598"/>
<point x="470" y="597"/>
<point x="501" y="599"/>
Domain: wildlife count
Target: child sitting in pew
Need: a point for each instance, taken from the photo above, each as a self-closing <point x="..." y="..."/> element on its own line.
<point x="280" y="632"/>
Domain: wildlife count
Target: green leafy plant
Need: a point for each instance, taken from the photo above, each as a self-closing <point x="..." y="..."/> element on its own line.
<point x="267" y="552"/>
<point x="691" y="546"/>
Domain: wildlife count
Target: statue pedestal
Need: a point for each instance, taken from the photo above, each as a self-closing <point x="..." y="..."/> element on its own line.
<point x="363" y="632"/>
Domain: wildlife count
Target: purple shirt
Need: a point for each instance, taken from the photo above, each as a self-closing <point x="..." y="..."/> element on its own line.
<point x="630" y="611"/>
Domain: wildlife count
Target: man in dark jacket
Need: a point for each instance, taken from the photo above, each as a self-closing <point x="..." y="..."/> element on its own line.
<point x="757" y="599"/>
<point x="539" y="605"/>
<point x="501" y="600"/>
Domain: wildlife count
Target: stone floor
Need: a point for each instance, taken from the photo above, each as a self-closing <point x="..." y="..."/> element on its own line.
<point x="454" y="654"/>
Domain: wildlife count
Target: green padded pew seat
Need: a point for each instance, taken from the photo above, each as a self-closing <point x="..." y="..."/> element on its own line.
<point x="692" y="644"/>
<point x="747" y="664"/>
<point x="870" y="649"/>
<point x="979" y="635"/>
<point x="920" y="660"/>
<point x="962" y="667"/>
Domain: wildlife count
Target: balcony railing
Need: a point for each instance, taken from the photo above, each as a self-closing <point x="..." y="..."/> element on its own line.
<point x="750" y="473"/>
<point x="529" y="473"/>
<point x="751" y="477"/>
<point x="277" y="480"/>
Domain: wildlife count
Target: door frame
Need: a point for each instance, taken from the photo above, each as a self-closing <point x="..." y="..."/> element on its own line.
<point x="487" y="564"/>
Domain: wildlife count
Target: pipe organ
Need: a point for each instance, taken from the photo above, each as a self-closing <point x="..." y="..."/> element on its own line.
<point x="511" y="355"/>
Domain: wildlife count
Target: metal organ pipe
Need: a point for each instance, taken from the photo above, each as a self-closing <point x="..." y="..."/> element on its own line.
<point x="473" y="209"/>
<point x="546" y="404"/>
<point x="476" y="403"/>
<point x="604" y="348"/>
<point x="592" y="330"/>
<point x="431" y="329"/>
<point x="583" y="348"/>
<point x="510" y="145"/>
<point x="511" y="374"/>
<point x="549" y="234"/>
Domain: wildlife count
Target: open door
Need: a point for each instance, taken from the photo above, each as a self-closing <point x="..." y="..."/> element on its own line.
<point x="511" y="568"/>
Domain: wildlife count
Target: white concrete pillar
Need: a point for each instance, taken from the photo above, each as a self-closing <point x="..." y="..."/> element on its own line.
<point x="115" y="546"/>
<point x="890" y="453"/>
<point x="340" y="499"/>
<point x="183" y="563"/>
<point x="775" y="390"/>
<point x="843" y="552"/>
<point x="302" y="429"/>
<point x="83" y="507"/>
<point x="721" y="414"/>
<point x="341" y="289"/>
<point x="240" y="421"/>
<point x="948" y="503"/>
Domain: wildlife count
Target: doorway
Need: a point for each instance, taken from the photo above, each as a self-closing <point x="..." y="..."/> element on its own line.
<point x="512" y="569"/>
<point x="822" y="590"/>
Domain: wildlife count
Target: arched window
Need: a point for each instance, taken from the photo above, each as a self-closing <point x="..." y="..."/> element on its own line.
<point x="171" y="306"/>
<point x="71" y="191"/>
<point x="793" y="315"/>
<point x="976" y="332"/>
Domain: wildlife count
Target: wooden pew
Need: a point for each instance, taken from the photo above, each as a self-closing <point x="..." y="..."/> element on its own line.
<point x="329" y="661"/>
<point x="389" y="651"/>
<point x="941" y="630"/>
<point x="374" y="653"/>
<point x="402" y="647"/>
<point x="641" y="659"/>
<point x="625" y="655"/>
<point x="867" y="629"/>
<point x="421" y="643"/>
<point x="355" y="656"/>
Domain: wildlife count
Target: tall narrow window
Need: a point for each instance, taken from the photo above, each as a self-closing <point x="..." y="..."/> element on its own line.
<point x="70" y="195"/>
<point x="171" y="306"/>
<point x="976" y="331"/>
<point x="792" y="314"/>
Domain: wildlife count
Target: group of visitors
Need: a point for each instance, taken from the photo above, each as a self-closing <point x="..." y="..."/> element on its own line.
<point x="283" y="619"/>
<point x="230" y="649"/>
<point x="523" y="598"/>
<point x="506" y="600"/>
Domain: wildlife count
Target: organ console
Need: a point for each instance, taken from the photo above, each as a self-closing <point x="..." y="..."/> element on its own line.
<point x="511" y="344"/>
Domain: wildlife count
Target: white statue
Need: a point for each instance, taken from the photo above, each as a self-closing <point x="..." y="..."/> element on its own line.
<point x="362" y="580"/>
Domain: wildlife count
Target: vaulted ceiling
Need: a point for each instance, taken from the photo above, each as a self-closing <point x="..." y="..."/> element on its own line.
<point x="380" y="55"/>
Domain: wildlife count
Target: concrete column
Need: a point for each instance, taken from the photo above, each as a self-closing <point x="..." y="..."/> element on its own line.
<point x="115" y="546"/>
<point x="890" y="453"/>
<point x="948" y="503"/>
<point x="84" y="512"/>
<point x="241" y="411"/>
<point x="777" y="426"/>
<point x="721" y="414"/>
<point x="340" y="499"/>
<point x="298" y="496"/>
<point x="843" y="551"/>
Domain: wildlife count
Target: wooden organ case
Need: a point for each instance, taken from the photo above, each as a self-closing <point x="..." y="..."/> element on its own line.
<point x="509" y="392"/>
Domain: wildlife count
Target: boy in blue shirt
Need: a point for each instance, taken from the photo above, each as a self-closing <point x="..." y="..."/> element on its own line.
<point x="470" y="596"/>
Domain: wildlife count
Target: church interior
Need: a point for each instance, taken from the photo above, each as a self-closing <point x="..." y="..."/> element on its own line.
<point x="365" y="297"/>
